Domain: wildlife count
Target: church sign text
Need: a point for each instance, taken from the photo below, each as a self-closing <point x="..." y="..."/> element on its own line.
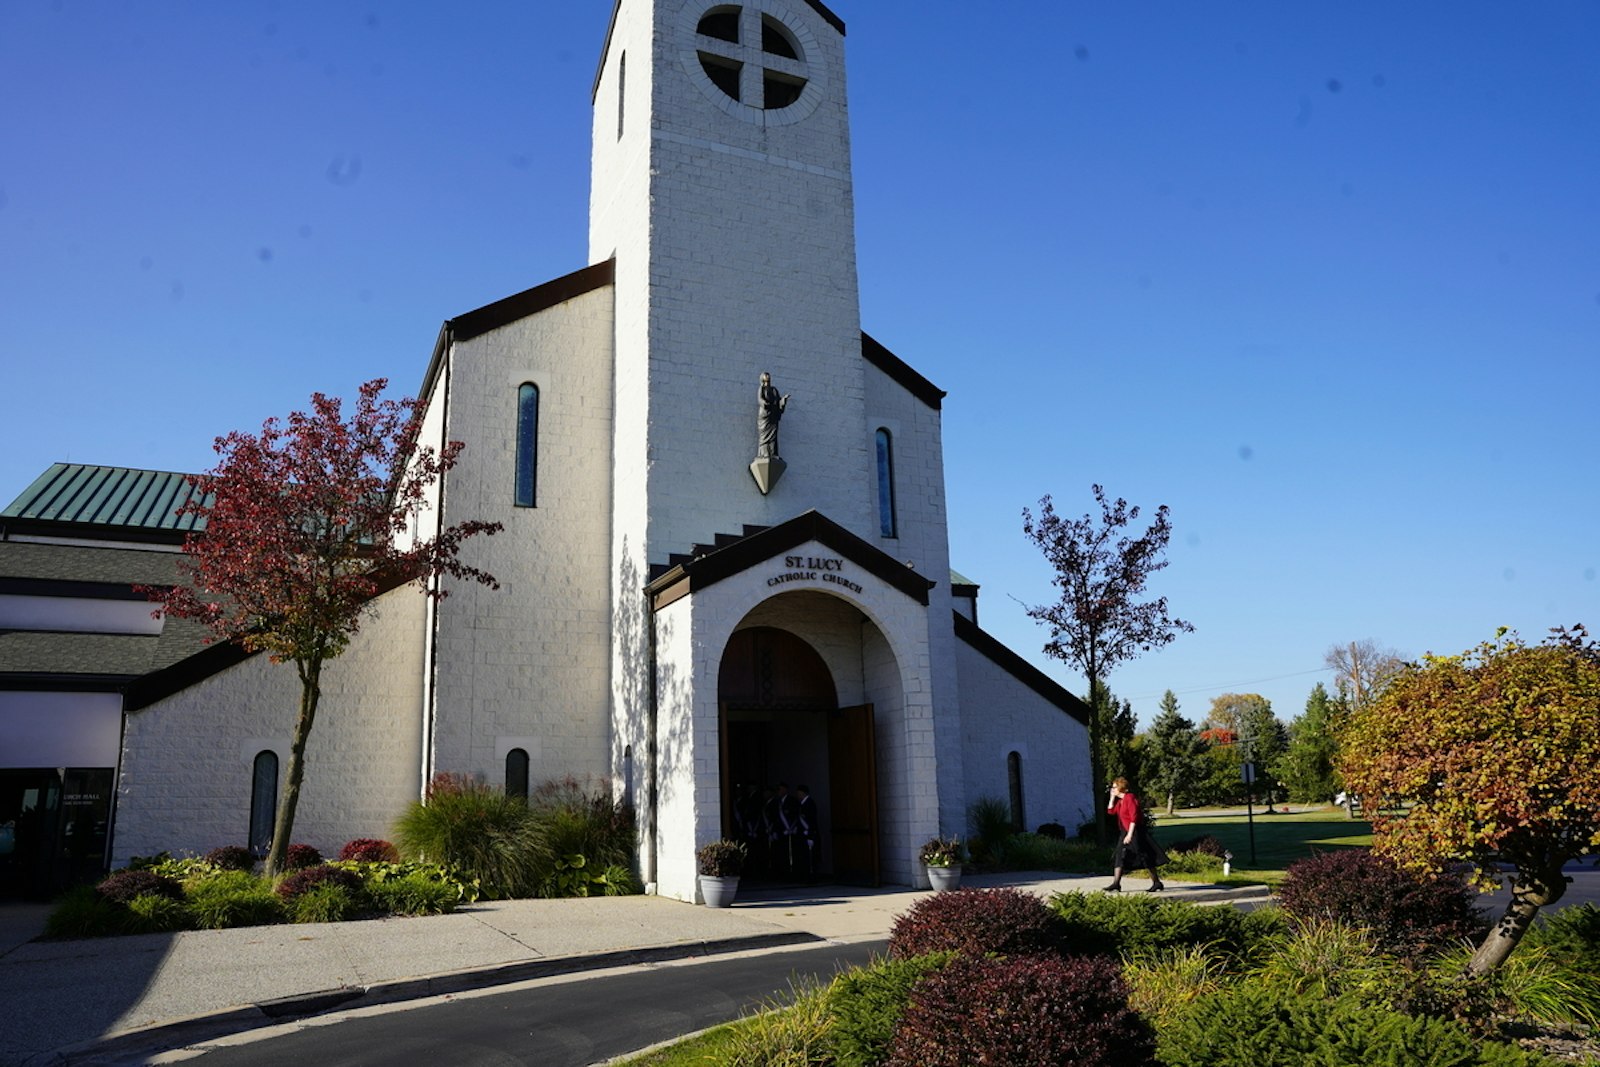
<point x="813" y="569"/>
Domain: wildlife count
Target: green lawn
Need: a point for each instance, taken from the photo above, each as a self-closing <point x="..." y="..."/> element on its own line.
<point x="1280" y="839"/>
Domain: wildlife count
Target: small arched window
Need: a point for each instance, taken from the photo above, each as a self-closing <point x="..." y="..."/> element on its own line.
<point x="1019" y="819"/>
<point x="527" y="443"/>
<point x="517" y="773"/>
<point x="263" y="800"/>
<point x="886" y="520"/>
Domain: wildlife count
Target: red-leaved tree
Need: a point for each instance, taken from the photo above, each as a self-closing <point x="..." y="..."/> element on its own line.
<point x="1098" y="621"/>
<point x="304" y="523"/>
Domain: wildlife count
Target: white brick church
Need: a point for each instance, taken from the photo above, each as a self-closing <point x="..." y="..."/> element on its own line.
<point x="703" y="585"/>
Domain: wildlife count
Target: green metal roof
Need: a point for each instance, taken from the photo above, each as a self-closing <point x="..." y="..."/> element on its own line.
<point x="957" y="578"/>
<point x="107" y="496"/>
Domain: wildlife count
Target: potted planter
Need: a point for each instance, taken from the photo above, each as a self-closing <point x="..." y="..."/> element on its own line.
<point x="942" y="857"/>
<point x="721" y="863"/>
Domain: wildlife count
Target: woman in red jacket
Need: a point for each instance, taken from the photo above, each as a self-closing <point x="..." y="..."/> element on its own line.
<point x="1135" y="846"/>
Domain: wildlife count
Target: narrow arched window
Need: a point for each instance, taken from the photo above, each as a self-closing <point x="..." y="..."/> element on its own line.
<point x="263" y="801"/>
<point x="886" y="524"/>
<point x="517" y="773"/>
<point x="1019" y="820"/>
<point x="527" y="443"/>
<point x="622" y="91"/>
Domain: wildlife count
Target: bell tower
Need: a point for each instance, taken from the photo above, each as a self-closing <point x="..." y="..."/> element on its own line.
<point x="721" y="186"/>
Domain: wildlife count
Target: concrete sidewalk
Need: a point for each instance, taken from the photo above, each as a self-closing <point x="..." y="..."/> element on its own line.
<point x="123" y="999"/>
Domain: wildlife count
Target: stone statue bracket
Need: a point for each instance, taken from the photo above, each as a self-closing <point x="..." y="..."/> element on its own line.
<point x="768" y="466"/>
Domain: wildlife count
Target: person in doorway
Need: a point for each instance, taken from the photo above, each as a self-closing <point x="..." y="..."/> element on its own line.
<point x="788" y="829"/>
<point x="770" y="823"/>
<point x="809" y="837"/>
<point x="1135" y="845"/>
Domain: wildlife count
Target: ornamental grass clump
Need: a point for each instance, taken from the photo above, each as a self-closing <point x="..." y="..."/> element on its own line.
<point x="977" y="922"/>
<point x="1035" y="1011"/>
<point x="1410" y="913"/>
<point x="489" y="838"/>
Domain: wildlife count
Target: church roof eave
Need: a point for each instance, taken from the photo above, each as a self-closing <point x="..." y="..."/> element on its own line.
<point x="1020" y="669"/>
<point x="901" y="372"/>
<point x="713" y="567"/>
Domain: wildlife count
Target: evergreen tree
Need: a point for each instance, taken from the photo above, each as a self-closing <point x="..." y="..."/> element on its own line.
<point x="1117" y="726"/>
<point x="1307" y="767"/>
<point x="1174" y="754"/>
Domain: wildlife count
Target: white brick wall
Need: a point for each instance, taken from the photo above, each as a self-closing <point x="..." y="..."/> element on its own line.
<point x="531" y="659"/>
<point x="187" y="760"/>
<point x="1000" y="715"/>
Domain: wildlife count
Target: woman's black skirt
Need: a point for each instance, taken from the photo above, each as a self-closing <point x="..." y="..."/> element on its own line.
<point x="1142" y="851"/>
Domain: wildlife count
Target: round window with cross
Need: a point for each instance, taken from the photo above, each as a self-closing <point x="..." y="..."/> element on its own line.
<point x="756" y="61"/>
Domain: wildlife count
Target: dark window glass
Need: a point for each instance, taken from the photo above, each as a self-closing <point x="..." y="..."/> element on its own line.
<point x="780" y="91"/>
<point x="263" y="801"/>
<point x="721" y="23"/>
<point x="775" y="39"/>
<point x="886" y="526"/>
<point x="517" y="773"/>
<point x="1014" y="776"/>
<point x="527" y="443"/>
<point x="724" y="73"/>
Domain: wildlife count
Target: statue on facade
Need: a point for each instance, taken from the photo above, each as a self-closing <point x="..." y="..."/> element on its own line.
<point x="769" y="411"/>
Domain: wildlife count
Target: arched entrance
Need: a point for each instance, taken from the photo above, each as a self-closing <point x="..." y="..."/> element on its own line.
<point x="782" y="731"/>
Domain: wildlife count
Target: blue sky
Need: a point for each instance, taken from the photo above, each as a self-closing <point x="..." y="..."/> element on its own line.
<point x="1324" y="278"/>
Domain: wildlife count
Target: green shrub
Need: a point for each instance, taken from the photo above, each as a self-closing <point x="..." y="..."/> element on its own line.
<point x="122" y="886"/>
<point x="795" y="1035"/>
<point x="329" y="902"/>
<point x="1114" y="924"/>
<point x="1029" y="1011"/>
<point x="615" y="881"/>
<point x="415" y="893"/>
<point x="976" y="922"/>
<point x="1191" y="863"/>
<point x="231" y="858"/>
<point x="155" y="913"/>
<point x="866" y="1005"/>
<point x="233" y="898"/>
<point x="1034" y="852"/>
<point x="1255" y="1025"/>
<point x="490" y="838"/>
<point x="82" y="912"/>
<point x="1409" y="912"/>
<point x="375" y="873"/>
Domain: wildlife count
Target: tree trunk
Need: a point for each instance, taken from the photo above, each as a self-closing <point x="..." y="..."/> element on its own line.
<point x="1097" y="767"/>
<point x="1531" y="890"/>
<point x="283" y="827"/>
<point x="1172" y="802"/>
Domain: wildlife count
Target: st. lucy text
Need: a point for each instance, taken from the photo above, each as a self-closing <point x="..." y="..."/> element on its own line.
<point x="813" y="569"/>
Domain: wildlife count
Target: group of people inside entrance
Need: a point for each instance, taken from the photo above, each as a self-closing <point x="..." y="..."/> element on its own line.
<point x="1136" y="846"/>
<point x="780" y="830"/>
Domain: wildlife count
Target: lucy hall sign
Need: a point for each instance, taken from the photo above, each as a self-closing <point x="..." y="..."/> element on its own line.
<point x="813" y="569"/>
